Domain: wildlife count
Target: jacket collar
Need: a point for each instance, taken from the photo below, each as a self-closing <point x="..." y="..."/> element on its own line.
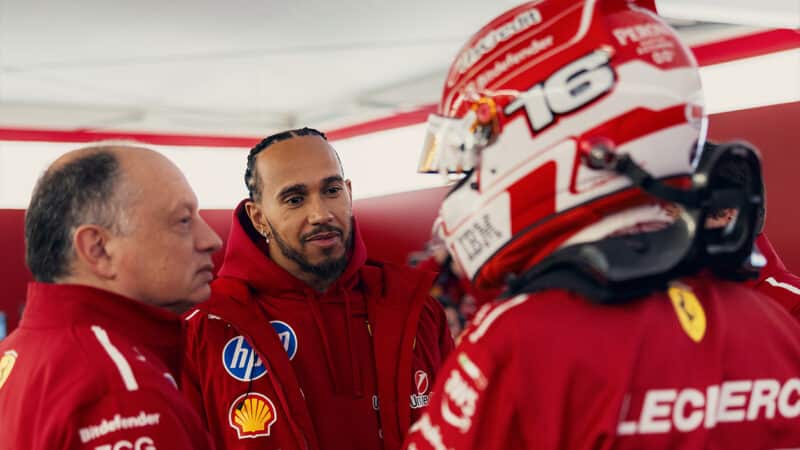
<point x="68" y="305"/>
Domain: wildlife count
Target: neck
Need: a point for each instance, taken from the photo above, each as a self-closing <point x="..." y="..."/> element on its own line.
<point x="80" y="280"/>
<point x="294" y="269"/>
<point x="109" y="285"/>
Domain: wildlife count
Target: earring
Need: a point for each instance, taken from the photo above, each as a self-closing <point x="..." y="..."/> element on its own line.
<point x="266" y="236"/>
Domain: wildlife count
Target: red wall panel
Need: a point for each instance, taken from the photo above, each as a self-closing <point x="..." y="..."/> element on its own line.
<point x="14" y="274"/>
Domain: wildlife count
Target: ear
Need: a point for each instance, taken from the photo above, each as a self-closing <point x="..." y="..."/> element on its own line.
<point x="90" y="243"/>
<point x="349" y="189"/>
<point x="257" y="217"/>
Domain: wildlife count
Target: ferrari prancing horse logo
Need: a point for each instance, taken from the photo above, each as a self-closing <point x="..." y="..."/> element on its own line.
<point x="689" y="310"/>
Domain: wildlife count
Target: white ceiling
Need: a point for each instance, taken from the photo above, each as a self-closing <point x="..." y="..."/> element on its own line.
<point x="246" y="67"/>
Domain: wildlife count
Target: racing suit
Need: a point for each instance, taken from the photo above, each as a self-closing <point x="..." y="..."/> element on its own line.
<point x="88" y="369"/>
<point x="709" y="363"/>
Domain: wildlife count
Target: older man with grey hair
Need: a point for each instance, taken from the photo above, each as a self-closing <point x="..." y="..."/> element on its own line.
<point x="117" y="248"/>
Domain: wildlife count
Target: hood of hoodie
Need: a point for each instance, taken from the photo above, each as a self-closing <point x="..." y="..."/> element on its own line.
<point x="247" y="258"/>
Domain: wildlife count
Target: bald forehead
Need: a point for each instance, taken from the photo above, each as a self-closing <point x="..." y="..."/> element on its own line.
<point x="121" y="152"/>
<point x="138" y="158"/>
<point x="143" y="173"/>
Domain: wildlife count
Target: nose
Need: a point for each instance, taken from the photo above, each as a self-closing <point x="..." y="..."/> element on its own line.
<point x="207" y="240"/>
<point x="318" y="212"/>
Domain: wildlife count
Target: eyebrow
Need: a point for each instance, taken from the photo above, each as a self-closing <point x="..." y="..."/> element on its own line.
<point x="332" y="179"/>
<point x="302" y="188"/>
<point x="184" y="206"/>
<point x="293" y="189"/>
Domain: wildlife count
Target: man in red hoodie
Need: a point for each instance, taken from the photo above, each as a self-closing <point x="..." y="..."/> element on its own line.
<point x="306" y="343"/>
<point x="117" y="248"/>
<point x="621" y="326"/>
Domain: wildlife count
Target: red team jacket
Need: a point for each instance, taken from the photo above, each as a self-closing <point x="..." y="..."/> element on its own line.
<point x="88" y="369"/>
<point x="776" y="281"/>
<point x="272" y="364"/>
<point x="710" y="364"/>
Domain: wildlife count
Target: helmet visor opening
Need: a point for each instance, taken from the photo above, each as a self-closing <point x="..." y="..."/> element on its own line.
<point x="449" y="146"/>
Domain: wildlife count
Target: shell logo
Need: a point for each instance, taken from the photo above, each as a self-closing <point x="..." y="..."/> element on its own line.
<point x="252" y="415"/>
<point x="6" y="364"/>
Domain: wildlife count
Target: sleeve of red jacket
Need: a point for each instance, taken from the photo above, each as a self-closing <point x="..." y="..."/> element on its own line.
<point x="469" y="408"/>
<point x="141" y="419"/>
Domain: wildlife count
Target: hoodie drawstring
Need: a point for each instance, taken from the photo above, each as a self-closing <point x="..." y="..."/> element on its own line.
<point x="312" y="300"/>
<point x="358" y="389"/>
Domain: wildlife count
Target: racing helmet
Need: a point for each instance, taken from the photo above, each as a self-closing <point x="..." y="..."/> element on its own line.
<point x="527" y="103"/>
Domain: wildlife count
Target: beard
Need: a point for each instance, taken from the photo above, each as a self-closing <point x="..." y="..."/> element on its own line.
<point x="328" y="270"/>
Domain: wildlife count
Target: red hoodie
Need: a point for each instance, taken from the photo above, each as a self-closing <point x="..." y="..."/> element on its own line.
<point x="776" y="281"/>
<point x="88" y="369"/>
<point x="350" y="368"/>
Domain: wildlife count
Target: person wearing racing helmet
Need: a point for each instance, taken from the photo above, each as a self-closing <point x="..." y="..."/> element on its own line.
<point x="575" y="125"/>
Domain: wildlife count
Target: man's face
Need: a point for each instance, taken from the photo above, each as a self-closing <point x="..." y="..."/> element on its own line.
<point x="163" y="254"/>
<point x="305" y="207"/>
<point x="716" y="219"/>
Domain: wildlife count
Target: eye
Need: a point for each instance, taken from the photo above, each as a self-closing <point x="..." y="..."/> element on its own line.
<point x="294" y="200"/>
<point x="185" y="223"/>
<point x="333" y="190"/>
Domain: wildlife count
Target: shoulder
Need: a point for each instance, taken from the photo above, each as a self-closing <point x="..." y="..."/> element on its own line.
<point x="524" y="316"/>
<point x="400" y="270"/>
<point x="493" y="318"/>
<point x="778" y="288"/>
<point x="89" y="361"/>
<point x="200" y="316"/>
<point x="784" y="288"/>
<point x="225" y="294"/>
<point x="204" y="329"/>
<point x="124" y="365"/>
<point x="98" y="363"/>
<point x="784" y="280"/>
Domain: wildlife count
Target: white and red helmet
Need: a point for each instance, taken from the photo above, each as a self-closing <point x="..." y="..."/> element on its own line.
<point x="524" y="102"/>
